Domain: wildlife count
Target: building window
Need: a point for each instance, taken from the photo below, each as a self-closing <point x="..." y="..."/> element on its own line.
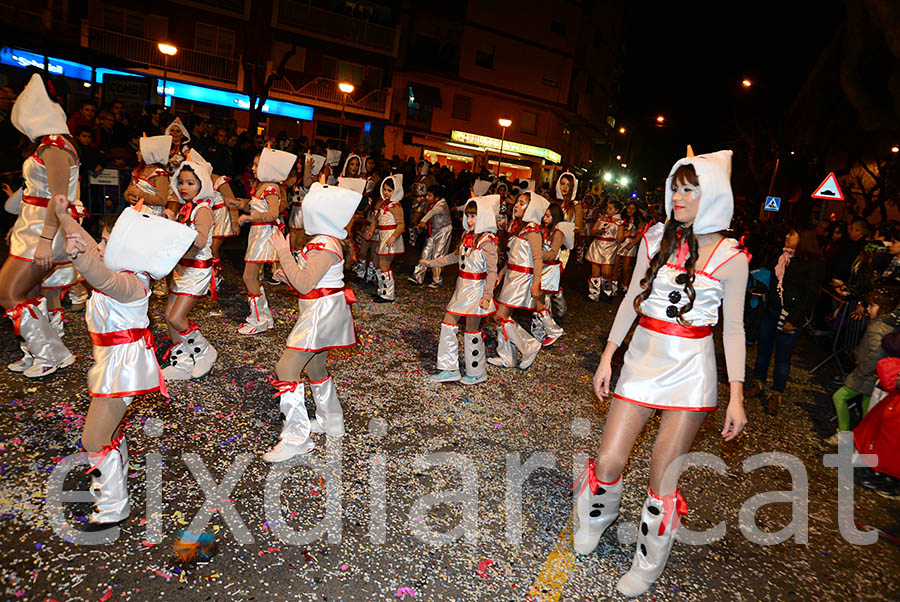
<point x="122" y="21"/>
<point x="528" y="124"/>
<point x="349" y="72"/>
<point x="558" y="28"/>
<point x="212" y="39"/>
<point x="462" y="107"/>
<point x="484" y="59"/>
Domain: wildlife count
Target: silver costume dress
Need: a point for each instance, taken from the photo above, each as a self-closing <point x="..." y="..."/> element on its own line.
<point x="295" y="222"/>
<point x="386" y="226"/>
<point x="193" y="276"/>
<point x="144" y="184"/>
<point x="552" y="272"/>
<point x="605" y="244"/>
<point x="516" y="291"/>
<point x="472" y="277"/>
<point x="223" y="226"/>
<point x="259" y="250"/>
<point x="631" y="233"/>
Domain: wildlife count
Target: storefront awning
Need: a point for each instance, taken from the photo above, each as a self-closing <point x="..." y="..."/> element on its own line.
<point x="425" y="95"/>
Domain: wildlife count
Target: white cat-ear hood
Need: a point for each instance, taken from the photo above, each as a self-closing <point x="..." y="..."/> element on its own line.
<point x="716" y="198"/>
<point x="487" y="208"/>
<point x="480" y="187"/>
<point x="141" y="242"/>
<point x="202" y="170"/>
<point x="328" y="209"/>
<point x="35" y="114"/>
<point x="275" y="165"/>
<point x="177" y="123"/>
<point x="537" y="207"/>
<point x="155" y="149"/>
<point x="574" y="185"/>
<point x="397" y="179"/>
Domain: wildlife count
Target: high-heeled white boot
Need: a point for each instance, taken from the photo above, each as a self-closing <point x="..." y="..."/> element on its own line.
<point x="596" y="508"/>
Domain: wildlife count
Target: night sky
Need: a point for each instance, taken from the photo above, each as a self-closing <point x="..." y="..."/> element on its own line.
<point x="688" y="66"/>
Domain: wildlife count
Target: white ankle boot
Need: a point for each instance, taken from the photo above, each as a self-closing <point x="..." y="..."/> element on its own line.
<point x="181" y="360"/>
<point x="660" y="519"/>
<point x="294" y="439"/>
<point x="549" y="327"/>
<point x="204" y="354"/>
<point x="260" y="317"/>
<point x="596" y="508"/>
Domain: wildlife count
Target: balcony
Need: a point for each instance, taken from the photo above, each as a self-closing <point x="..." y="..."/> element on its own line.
<point x="324" y="92"/>
<point x="144" y="51"/>
<point x="316" y="22"/>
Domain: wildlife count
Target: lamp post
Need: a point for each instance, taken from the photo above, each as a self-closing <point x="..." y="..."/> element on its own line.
<point x="167" y="50"/>
<point x="504" y="122"/>
<point x="346" y="88"/>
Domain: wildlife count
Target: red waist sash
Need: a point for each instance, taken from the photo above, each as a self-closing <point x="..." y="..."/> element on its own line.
<point x="675" y="329"/>
<point x="520" y="268"/>
<point x="318" y="293"/>
<point x="473" y="275"/>
<point x="212" y="262"/>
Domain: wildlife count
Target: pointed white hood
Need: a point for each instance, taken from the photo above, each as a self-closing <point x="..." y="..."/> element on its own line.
<point x="486" y="216"/>
<point x="155" y="149"/>
<point x="35" y="114"/>
<point x="716" y="199"/>
<point x="177" y="124"/>
<point x="275" y="165"/>
<point x="355" y="184"/>
<point x="333" y="157"/>
<point x="568" y="230"/>
<point x="398" y="187"/>
<point x="574" y="185"/>
<point x="203" y="171"/>
<point x="141" y="242"/>
<point x="328" y="209"/>
<point x="537" y="207"/>
<point x="480" y="187"/>
<point x="359" y="173"/>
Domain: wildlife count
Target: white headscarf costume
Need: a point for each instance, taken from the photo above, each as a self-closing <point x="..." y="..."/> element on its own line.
<point x="141" y="242"/>
<point x="574" y="185"/>
<point x="716" y="198"/>
<point x="328" y="209"/>
<point x="155" y="149"/>
<point x="35" y="114"/>
<point x="537" y="207"/>
<point x="275" y="165"/>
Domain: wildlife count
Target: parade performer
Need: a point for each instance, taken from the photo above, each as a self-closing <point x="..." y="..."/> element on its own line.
<point x="180" y="143"/>
<point x="521" y="282"/>
<point x="389" y="225"/>
<point x="191" y="354"/>
<point x="438" y="224"/>
<point x="685" y="270"/>
<point x="353" y="175"/>
<point x="225" y="213"/>
<point x="628" y="240"/>
<point x="418" y="191"/>
<point x="573" y="213"/>
<point x="140" y="247"/>
<point x="270" y="168"/>
<point x="150" y="179"/>
<point x="602" y="252"/>
<point x="35" y="243"/>
<point x="473" y="297"/>
<point x="557" y="235"/>
<point x="65" y="279"/>
<point x="325" y="321"/>
<point x="584" y="238"/>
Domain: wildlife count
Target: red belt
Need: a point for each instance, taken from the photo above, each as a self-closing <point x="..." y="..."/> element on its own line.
<point x="520" y="268"/>
<point x="473" y="275"/>
<point x="213" y="263"/>
<point x="394" y="227"/>
<point x="605" y="238"/>
<point x="37" y="201"/>
<point x="551" y="262"/>
<point x="123" y="337"/>
<point x="318" y="293"/>
<point x="219" y="206"/>
<point x="675" y="329"/>
<point x="263" y="223"/>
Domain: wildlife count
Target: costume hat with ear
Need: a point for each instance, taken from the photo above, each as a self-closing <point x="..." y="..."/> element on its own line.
<point x="480" y="187"/>
<point x="176" y="123"/>
<point x="35" y="114"/>
<point x="486" y="213"/>
<point x="716" y="198"/>
<point x="347" y="163"/>
<point x="537" y="207"/>
<point x="202" y="170"/>
<point x="141" y="242"/>
<point x="328" y="209"/>
<point x="574" y="185"/>
<point x="397" y="180"/>
<point x="155" y="149"/>
<point x="275" y="165"/>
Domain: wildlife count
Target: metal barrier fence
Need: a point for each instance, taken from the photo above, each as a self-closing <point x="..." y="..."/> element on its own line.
<point x="847" y="334"/>
<point x="105" y="192"/>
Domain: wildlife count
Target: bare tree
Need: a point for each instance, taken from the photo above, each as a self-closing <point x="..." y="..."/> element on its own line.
<point x="257" y="87"/>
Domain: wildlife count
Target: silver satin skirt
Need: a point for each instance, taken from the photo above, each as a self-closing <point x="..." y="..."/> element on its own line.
<point x="190" y="281"/>
<point x="123" y="371"/>
<point x="602" y="252"/>
<point x="466" y="298"/>
<point x="223" y="226"/>
<point x="395" y="249"/>
<point x="62" y="276"/>
<point x="26" y="234"/>
<point x="669" y="372"/>
<point x="259" y="249"/>
<point x="324" y="323"/>
<point x="550" y="278"/>
<point x="516" y="290"/>
<point x="296" y="219"/>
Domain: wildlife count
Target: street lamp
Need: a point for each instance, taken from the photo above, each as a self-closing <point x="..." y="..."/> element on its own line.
<point x="895" y="149"/>
<point x="660" y="119"/>
<point x="346" y="88"/>
<point x="167" y="50"/>
<point x="746" y="83"/>
<point x="504" y="122"/>
<point x="625" y="181"/>
<point x="621" y="130"/>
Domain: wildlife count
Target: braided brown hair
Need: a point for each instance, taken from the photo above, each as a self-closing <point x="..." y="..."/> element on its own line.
<point x="674" y="233"/>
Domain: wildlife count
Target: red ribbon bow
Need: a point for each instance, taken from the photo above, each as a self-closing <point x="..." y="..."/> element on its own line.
<point x="185" y="213"/>
<point x="682" y="249"/>
<point x="15" y="314"/>
<point x="114" y="444"/>
<point x="672" y="504"/>
<point x="284" y="386"/>
<point x="469" y="240"/>
<point x="588" y="478"/>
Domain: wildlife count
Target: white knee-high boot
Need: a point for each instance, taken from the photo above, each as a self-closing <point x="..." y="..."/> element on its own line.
<point x="109" y="484"/>
<point x="387" y="288"/>
<point x="594" y="289"/>
<point x="550" y="328"/>
<point x="181" y="360"/>
<point x="527" y="345"/>
<point x="447" y="355"/>
<point x="31" y="321"/>
<point x="294" y="438"/>
<point x="537" y="325"/>
<point x="329" y="414"/>
<point x="476" y="368"/>
<point x="558" y="304"/>
<point x="596" y="508"/>
<point x="506" y="353"/>
<point x="260" y="317"/>
<point x="660" y="519"/>
<point x="56" y="320"/>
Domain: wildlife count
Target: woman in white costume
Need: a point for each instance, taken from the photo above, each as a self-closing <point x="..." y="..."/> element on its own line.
<point x="602" y="252"/>
<point x="439" y="227"/>
<point x="298" y="184"/>
<point x="629" y="237"/>
<point x="270" y="168"/>
<point x="388" y="225"/>
<point x="180" y="143"/>
<point x="473" y="297"/>
<point x="685" y="271"/>
<point x="191" y="354"/>
<point x="521" y="282"/>
<point x="141" y="246"/>
<point x="573" y="213"/>
<point x="36" y="245"/>
<point x="325" y="321"/>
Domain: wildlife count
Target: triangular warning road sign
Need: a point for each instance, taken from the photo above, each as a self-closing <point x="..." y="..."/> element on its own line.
<point x="829" y="189"/>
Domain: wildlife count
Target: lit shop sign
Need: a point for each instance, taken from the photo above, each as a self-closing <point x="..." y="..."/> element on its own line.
<point x="224" y="98"/>
<point x="494" y="143"/>
<point x="22" y="58"/>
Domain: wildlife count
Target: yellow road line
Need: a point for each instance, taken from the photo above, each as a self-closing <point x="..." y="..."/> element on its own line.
<point x="556" y="570"/>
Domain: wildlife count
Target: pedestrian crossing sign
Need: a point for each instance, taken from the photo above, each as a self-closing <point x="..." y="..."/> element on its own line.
<point x="773" y="203"/>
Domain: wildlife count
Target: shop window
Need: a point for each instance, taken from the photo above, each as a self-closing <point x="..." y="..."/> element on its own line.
<point x="484" y="59"/>
<point x="462" y="107"/>
<point x="212" y="39"/>
<point x="528" y="124"/>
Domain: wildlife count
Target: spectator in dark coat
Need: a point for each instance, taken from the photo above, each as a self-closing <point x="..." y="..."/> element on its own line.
<point x="799" y="273"/>
<point x="846" y="253"/>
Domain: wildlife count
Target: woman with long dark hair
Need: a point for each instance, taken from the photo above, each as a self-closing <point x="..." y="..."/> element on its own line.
<point x="685" y="271"/>
<point x="799" y="272"/>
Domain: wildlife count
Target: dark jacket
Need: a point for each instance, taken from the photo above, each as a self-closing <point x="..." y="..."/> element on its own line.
<point x="843" y="258"/>
<point x="869" y="352"/>
<point x="802" y="280"/>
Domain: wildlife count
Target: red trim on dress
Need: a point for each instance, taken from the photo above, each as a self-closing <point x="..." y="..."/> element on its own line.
<point x="674" y="329"/>
<point x="659" y="407"/>
<point x="321" y="381"/>
<point x="124" y="393"/>
<point x="323" y="348"/>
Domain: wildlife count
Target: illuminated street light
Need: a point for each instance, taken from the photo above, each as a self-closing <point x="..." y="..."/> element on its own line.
<point x="644" y="179"/>
<point x="625" y="181"/>
<point x="621" y="130"/>
<point x="607" y="177"/>
<point x="746" y="83"/>
<point x="346" y="88"/>
<point x="504" y="122"/>
<point x="624" y="165"/>
<point x="660" y="119"/>
<point x="618" y="157"/>
<point x="895" y="149"/>
<point x="167" y="49"/>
